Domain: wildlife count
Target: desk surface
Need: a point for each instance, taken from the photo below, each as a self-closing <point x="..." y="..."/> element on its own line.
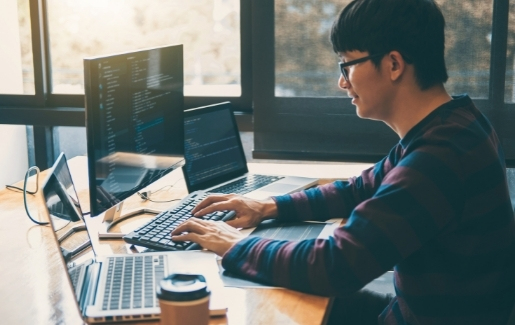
<point x="33" y="282"/>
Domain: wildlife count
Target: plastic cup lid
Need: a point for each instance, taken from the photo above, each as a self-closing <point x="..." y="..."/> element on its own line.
<point x="182" y="287"/>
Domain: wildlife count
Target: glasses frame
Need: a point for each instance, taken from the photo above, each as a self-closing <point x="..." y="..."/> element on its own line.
<point x="344" y="65"/>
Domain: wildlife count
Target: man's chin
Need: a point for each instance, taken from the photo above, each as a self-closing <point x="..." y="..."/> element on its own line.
<point x="360" y="112"/>
<point x="364" y="114"/>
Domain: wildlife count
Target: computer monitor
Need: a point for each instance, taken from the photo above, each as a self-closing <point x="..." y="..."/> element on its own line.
<point x="134" y="125"/>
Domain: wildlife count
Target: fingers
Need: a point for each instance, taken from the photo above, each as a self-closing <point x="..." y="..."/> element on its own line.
<point x="191" y="225"/>
<point x="219" y="206"/>
<point x="213" y="198"/>
<point x="213" y="203"/>
<point x="190" y="236"/>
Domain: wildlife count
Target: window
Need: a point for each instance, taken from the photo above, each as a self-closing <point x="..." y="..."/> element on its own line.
<point x="299" y="112"/>
<point x="468" y="37"/>
<point x="272" y="58"/>
<point x="16" y="52"/>
<point x="48" y="39"/>
<point x="85" y="28"/>
<point x="305" y="64"/>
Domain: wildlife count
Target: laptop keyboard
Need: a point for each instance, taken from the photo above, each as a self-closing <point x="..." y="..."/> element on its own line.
<point x="247" y="184"/>
<point x="131" y="282"/>
<point x="156" y="233"/>
<point x="75" y="274"/>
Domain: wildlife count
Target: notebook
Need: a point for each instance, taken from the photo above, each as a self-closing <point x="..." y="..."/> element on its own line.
<point x="120" y="287"/>
<point x="215" y="159"/>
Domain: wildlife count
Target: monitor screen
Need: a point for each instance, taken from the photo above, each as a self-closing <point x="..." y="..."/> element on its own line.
<point x="134" y="121"/>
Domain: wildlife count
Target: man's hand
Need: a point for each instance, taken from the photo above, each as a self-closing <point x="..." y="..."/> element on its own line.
<point x="216" y="236"/>
<point x="249" y="212"/>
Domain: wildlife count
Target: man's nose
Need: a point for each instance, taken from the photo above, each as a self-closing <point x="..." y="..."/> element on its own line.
<point x="342" y="83"/>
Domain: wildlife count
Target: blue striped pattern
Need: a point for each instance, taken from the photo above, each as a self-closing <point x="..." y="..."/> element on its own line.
<point x="436" y="209"/>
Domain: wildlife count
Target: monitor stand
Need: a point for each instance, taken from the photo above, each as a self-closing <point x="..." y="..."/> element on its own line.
<point x="113" y="216"/>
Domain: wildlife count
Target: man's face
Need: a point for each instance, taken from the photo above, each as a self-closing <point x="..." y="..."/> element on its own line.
<point x="367" y="85"/>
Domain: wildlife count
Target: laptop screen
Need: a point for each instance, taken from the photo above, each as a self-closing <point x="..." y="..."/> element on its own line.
<point x="212" y="147"/>
<point x="65" y="214"/>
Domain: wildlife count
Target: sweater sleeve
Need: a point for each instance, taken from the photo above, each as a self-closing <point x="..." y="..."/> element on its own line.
<point x="333" y="200"/>
<point x="415" y="201"/>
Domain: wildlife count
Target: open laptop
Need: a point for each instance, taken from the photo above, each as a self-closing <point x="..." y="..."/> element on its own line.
<point x="215" y="159"/>
<point x="120" y="287"/>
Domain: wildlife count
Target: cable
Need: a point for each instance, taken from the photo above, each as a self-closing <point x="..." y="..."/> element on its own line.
<point x="12" y="187"/>
<point x="25" y="191"/>
<point x="146" y="195"/>
<point x="27" y="174"/>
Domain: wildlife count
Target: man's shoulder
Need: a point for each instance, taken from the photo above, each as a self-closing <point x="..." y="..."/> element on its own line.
<point x="458" y="123"/>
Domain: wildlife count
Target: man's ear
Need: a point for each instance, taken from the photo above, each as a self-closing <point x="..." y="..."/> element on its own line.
<point x="397" y="65"/>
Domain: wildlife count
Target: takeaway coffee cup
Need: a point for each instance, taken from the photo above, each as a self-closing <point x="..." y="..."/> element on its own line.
<point x="183" y="299"/>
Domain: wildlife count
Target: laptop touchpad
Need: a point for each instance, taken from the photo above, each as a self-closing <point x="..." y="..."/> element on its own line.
<point x="279" y="188"/>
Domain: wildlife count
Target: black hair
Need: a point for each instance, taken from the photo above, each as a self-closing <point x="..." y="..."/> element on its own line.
<point x="415" y="28"/>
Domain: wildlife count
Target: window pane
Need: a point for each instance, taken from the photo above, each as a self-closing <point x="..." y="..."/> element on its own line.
<point x="16" y="49"/>
<point x="307" y="66"/>
<point x="467" y="45"/>
<point x="509" y="95"/>
<point x="209" y="30"/>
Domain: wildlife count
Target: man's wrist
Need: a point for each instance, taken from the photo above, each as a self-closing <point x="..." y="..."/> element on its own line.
<point x="269" y="209"/>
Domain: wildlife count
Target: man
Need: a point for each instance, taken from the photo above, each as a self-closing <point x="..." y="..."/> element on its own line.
<point x="436" y="209"/>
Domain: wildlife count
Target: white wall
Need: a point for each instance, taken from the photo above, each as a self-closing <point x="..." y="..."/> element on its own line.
<point x="11" y="78"/>
<point x="13" y="153"/>
<point x="13" y="138"/>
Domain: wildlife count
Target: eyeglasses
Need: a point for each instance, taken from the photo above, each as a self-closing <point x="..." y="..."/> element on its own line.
<point x="344" y="65"/>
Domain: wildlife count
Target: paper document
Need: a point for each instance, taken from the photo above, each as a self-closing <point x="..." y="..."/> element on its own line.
<point x="295" y="231"/>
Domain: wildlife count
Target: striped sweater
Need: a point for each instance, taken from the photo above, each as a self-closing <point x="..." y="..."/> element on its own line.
<point x="436" y="210"/>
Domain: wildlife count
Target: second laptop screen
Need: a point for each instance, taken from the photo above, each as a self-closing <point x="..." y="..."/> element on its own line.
<point x="212" y="146"/>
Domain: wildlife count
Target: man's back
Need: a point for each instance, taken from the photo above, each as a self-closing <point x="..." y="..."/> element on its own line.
<point x="465" y="272"/>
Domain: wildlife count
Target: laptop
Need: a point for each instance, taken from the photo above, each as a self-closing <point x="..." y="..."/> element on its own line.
<point x="120" y="287"/>
<point x="215" y="159"/>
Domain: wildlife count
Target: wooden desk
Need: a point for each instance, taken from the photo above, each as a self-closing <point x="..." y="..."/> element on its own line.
<point x="33" y="285"/>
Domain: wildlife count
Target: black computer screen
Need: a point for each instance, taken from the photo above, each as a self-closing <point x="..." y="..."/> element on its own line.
<point x="59" y="192"/>
<point x="213" y="147"/>
<point x="134" y="121"/>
